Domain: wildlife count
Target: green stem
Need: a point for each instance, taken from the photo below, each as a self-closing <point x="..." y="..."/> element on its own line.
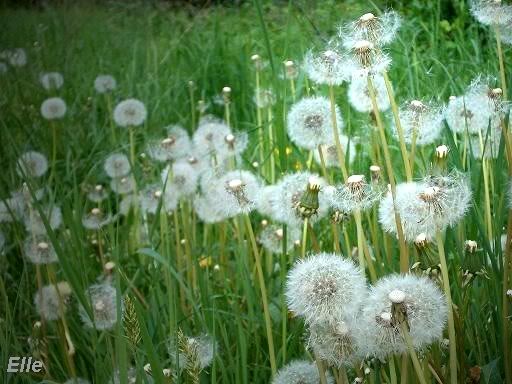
<point x="336" y="134"/>
<point x="503" y="78"/>
<point x="304" y="238"/>
<point x="414" y="356"/>
<point x="448" y="295"/>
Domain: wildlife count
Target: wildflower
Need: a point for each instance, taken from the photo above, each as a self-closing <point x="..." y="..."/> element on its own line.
<point x="104" y="83"/>
<point x="355" y="194"/>
<point x="334" y="344"/>
<point x="310" y="123"/>
<point x="299" y="372"/>
<point x="97" y="194"/>
<point x="285" y="199"/>
<point x="117" y="165"/>
<point x="17" y="57"/>
<point x="272" y="238"/>
<point x="103" y="304"/>
<point x="34" y="222"/>
<point x="53" y="108"/>
<point x="379" y="30"/>
<point x="359" y="95"/>
<point x="491" y="12"/>
<point x="210" y="135"/>
<point x="330" y="155"/>
<point x="32" y="164"/>
<point x="236" y="192"/>
<point x="427" y="207"/>
<point x="96" y="219"/>
<point x="180" y="177"/>
<point x="176" y="145"/>
<point x="39" y="250"/>
<point x="51" y="80"/>
<point x="48" y="299"/>
<point x="325" y="288"/>
<point x="421" y="123"/>
<point x="396" y="299"/>
<point x="328" y="67"/>
<point x="264" y="98"/>
<point x="130" y="113"/>
<point x="123" y="185"/>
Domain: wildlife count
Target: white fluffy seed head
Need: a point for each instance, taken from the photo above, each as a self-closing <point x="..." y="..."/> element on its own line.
<point x="309" y="122"/>
<point x="491" y="12"/>
<point x="299" y="372"/>
<point x="104" y="307"/>
<point x="53" y="108"/>
<point x="130" y="113"/>
<point x="359" y="96"/>
<point x="421" y="122"/>
<point x="330" y="154"/>
<point x="32" y="164"/>
<point x="51" y="80"/>
<point x="379" y="30"/>
<point x="325" y="288"/>
<point x="327" y="67"/>
<point x="104" y="83"/>
<point x="48" y="299"/>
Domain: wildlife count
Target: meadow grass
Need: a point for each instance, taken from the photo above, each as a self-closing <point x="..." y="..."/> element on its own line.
<point x="154" y="52"/>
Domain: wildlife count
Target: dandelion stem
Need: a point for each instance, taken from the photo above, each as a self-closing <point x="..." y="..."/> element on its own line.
<point x="132" y="145"/>
<point x="259" y="120"/>
<point x="487" y="201"/>
<point x="412" y="352"/>
<point x="392" y="370"/>
<point x="271" y="145"/>
<point x="394" y="109"/>
<point x="404" y="252"/>
<point x="263" y="289"/>
<point x="336" y="134"/>
<point x="451" y="323"/>
<point x="321" y="370"/>
<point x="359" y="229"/>
<point x="503" y="78"/>
<point x="304" y="238"/>
<point x="506" y="321"/>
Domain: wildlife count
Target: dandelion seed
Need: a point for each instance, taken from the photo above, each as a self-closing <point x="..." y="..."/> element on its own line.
<point x="234" y="145"/>
<point x="176" y="145"/>
<point x="330" y="155"/>
<point x="103" y="304"/>
<point x="359" y="95"/>
<point x="491" y="12"/>
<point x="490" y="148"/>
<point x="32" y="164"/>
<point x="104" y="83"/>
<point x="236" y="192"/>
<point x="379" y="30"/>
<point x="334" y="344"/>
<point x="128" y="203"/>
<point x="272" y="238"/>
<point x="299" y="372"/>
<point x="422" y="306"/>
<point x="210" y="135"/>
<point x="131" y="375"/>
<point x="309" y="122"/>
<point x="130" y="113"/>
<point x="367" y="60"/>
<point x="356" y="194"/>
<point x="34" y="222"/>
<point x="47" y="300"/>
<point x="202" y="347"/>
<point x="325" y="288"/>
<point x="96" y="219"/>
<point x="117" y="165"/>
<point x="421" y="123"/>
<point x="505" y="32"/>
<point x="53" y="108"/>
<point x="208" y="210"/>
<point x="51" y="80"/>
<point x="123" y="185"/>
<point x="181" y="177"/>
<point x="327" y="67"/>
<point x="39" y="250"/>
<point x="290" y="70"/>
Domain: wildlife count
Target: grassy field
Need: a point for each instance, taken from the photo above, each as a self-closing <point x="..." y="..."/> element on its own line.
<point x="177" y="277"/>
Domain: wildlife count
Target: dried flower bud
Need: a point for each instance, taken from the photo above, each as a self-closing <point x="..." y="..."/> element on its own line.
<point x="421" y="241"/>
<point x="308" y="204"/>
<point x="442" y="152"/>
<point x="471" y="246"/>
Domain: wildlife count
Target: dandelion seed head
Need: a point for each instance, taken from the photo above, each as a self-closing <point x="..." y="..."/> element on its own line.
<point x="127" y="203"/>
<point x="425" y="310"/>
<point x="264" y="98"/>
<point x="234" y="144"/>
<point x="422" y="123"/>
<point x="359" y="96"/>
<point x="32" y="164"/>
<point x="96" y="219"/>
<point x="327" y="67"/>
<point x="176" y="145"/>
<point x="105" y="83"/>
<point x="53" y="108"/>
<point x="17" y="57"/>
<point x="39" y="250"/>
<point x="202" y="347"/>
<point x="207" y="210"/>
<point x="123" y="185"/>
<point x="272" y="238"/>
<point x="325" y="288"/>
<point x="356" y="194"/>
<point x="97" y="194"/>
<point x="300" y="372"/>
<point x="209" y="136"/>
<point x="309" y="122"/>
<point x="379" y="30"/>
<point x="130" y="113"/>
<point x="51" y="80"/>
<point x="182" y="179"/>
<point x="333" y="343"/>
<point x="103" y="304"/>
<point x="152" y="197"/>
<point x="491" y="12"/>
<point x="47" y="300"/>
<point x="117" y="165"/>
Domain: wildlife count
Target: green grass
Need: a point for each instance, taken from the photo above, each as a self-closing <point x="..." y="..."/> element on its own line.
<point x="154" y="52"/>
